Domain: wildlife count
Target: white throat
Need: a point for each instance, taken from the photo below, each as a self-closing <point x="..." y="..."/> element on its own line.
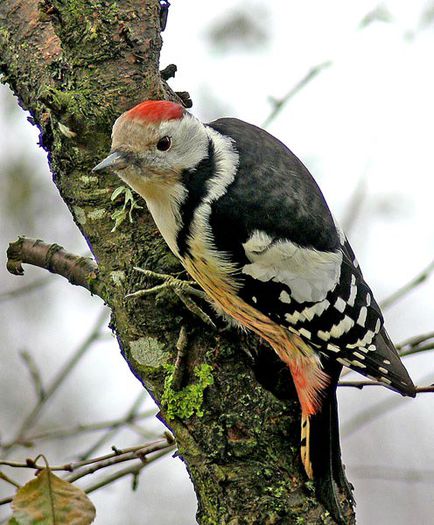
<point x="165" y="212"/>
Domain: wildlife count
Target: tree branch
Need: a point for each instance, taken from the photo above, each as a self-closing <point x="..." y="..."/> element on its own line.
<point x="361" y="384"/>
<point x="163" y="446"/>
<point x="279" y="103"/>
<point x="117" y="456"/>
<point x="63" y="373"/>
<point x="134" y="470"/>
<point x="372" y="412"/>
<point x="404" y="290"/>
<point x="80" y="271"/>
<point x="27" y="288"/>
<point x="416" y="344"/>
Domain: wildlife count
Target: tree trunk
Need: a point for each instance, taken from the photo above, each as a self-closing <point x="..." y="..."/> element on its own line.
<point x="76" y="65"/>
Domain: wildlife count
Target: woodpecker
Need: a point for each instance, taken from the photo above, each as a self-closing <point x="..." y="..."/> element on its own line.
<point x="251" y="226"/>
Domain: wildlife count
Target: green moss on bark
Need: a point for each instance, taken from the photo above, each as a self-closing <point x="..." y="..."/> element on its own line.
<point x="187" y="401"/>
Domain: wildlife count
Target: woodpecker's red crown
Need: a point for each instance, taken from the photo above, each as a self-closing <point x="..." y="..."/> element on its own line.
<point x="155" y="111"/>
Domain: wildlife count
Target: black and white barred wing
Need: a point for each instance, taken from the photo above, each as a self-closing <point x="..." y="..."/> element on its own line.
<point x="323" y="297"/>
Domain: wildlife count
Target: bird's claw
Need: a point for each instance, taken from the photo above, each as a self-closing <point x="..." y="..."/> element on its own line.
<point x="183" y="289"/>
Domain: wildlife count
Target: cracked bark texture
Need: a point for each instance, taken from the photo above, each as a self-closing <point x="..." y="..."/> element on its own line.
<point x="76" y="65"/>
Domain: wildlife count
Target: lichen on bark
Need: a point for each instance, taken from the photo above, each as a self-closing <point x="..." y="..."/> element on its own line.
<point x="76" y="66"/>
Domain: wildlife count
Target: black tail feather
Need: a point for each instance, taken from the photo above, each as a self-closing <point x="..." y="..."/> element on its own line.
<point x="327" y="470"/>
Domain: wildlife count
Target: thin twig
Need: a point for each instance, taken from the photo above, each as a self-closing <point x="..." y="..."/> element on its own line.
<point x="102" y="440"/>
<point x="392" y="473"/>
<point x="415" y="340"/>
<point x="278" y="104"/>
<point x="117" y="456"/>
<point x="27" y="288"/>
<point x="34" y="373"/>
<point x="9" y="480"/>
<point x="84" y="428"/>
<point x="416" y="344"/>
<point x="404" y="290"/>
<point x="354" y="206"/>
<point x="373" y="412"/>
<point x="134" y="470"/>
<point x="361" y="384"/>
<point x="63" y="373"/>
<point x="129" y="416"/>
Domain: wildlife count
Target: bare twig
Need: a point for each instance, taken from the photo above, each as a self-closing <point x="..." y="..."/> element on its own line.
<point x="117" y="456"/>
<point x="9" y="480"/>
<point x="81" y="271"/>
<point x="354" y="206"/>
<point x="163" y="446"/>
<point x="27" y="288"/>
<point x="130" y="416"/>
<point x="404" y="290"/>
<point x="361" y="384"/>
<point x="66" y="369"/>
<point x="34" y="373"/>
<point x="84" y="428"/>
<point x="416" y="344"/>
<point x="278" y="104"/>
<point x="373" y="412"/>
<point x="133" y="469"/>
<point x="392" y="473"/>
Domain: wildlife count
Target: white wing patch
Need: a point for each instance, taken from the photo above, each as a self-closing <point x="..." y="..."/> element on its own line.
<point x="310" y="274"/>
<point x="341" y="328"/>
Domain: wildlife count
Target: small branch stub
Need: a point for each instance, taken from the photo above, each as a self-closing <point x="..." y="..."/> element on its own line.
<point x="80" y="271"/>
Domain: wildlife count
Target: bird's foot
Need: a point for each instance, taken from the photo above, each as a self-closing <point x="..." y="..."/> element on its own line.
<point x="183" y="289"/>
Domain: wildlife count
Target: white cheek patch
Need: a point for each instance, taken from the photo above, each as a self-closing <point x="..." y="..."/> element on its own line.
<point x="309" y="273"/>
<point x="189" y="142"/>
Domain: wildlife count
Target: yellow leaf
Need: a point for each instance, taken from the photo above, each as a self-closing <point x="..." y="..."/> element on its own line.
<point x="49" y="500"/>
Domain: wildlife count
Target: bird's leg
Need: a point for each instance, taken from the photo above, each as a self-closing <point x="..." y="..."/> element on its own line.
<point x="183" y="289"/>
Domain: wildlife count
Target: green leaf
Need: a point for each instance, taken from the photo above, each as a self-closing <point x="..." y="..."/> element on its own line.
<point x="49" y="500"/>
<point x="117" y="192"/>
<point x="129" y="202"/>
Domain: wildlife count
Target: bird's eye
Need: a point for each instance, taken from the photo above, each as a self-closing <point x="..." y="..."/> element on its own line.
<point x="164" y="143"/>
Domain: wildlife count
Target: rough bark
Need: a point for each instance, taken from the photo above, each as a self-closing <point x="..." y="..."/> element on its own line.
<point x="76" y="65"/>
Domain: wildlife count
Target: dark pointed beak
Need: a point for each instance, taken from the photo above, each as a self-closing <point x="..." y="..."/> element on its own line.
<point x="115" y="161"/>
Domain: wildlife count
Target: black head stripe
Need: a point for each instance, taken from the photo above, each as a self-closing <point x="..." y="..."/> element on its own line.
<point x="195" y="183"/>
